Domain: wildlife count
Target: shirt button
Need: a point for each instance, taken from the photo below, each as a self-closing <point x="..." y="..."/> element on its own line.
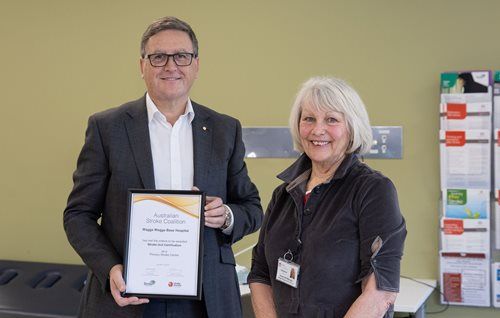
<point x="317" y="190"/>
<point x="307" y="211"/>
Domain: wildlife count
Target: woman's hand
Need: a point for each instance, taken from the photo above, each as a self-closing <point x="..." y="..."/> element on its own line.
<point x="372" y="303"/>
<point x="263" y="301"/>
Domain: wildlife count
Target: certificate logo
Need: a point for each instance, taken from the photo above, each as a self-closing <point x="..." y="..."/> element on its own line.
<point x="174" y="284"/>
<point x="150" y="283"/>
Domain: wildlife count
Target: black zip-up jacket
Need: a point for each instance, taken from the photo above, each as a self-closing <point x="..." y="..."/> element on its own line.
<point x="350" y="227"/>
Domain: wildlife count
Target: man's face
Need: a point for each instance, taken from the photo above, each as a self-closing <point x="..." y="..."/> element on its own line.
<point x="170" y="83"/>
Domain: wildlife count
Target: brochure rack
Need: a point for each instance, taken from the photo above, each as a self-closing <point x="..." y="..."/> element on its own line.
<point x="469" y="152"/>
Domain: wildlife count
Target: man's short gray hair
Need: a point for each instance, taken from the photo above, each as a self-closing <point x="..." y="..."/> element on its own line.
<point x="168" y="23"/>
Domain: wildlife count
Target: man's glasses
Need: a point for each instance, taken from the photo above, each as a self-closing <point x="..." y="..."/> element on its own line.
<point x="161" y="59"/>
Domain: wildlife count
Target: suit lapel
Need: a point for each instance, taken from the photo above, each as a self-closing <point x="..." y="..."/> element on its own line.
<point x="202" y="144"/>
<point x="136" y="124"/>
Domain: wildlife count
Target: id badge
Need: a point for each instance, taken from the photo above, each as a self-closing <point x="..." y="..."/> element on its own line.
<point x="288" y="272"/>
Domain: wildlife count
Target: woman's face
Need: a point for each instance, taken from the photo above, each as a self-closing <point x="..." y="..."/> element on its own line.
<point x="323" y="135"/>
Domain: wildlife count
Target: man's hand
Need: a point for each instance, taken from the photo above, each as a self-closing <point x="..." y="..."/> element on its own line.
<point x="117" y="285"/>
<point x="215" y="213"/>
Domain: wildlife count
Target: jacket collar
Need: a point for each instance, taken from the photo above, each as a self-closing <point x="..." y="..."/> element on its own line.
<point x="203" y="130"/>
<point x="302" y="166"/>
<point x="136" y="124"/>
<point x="138" y="132"/>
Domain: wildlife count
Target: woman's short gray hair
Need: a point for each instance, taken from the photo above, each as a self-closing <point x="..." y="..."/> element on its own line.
<point x="327" y="94"/>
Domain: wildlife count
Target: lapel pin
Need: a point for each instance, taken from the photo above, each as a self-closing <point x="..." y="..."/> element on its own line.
<point x="204" y="128"/>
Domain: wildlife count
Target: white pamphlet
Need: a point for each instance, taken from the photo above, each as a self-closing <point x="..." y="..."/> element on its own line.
<point x="496" y="220"/>
<point x="465" y="159"/>
<point x="496" y="100"/>
<point x="466" y="203"/>
<point x="462" y="116"/>
<point x="465" y="235"/>
<point x="495" y="280"/>
<point x="465" y="279"/>
<point x="496" y="157"/>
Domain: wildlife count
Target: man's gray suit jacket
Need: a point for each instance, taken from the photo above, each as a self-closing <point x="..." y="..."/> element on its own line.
<point x="117" y="156"/>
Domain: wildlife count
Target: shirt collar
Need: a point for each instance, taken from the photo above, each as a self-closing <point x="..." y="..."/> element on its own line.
<point x="153" y="110"/>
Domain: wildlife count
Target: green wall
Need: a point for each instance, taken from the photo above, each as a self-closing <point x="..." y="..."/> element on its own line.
<point x="64" y="60"/>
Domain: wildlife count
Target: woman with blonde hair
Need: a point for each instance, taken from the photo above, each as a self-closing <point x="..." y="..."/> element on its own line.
<point x="334" y="221"/>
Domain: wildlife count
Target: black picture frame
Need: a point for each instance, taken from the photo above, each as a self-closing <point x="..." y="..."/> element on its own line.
<point x="127" y="253"/>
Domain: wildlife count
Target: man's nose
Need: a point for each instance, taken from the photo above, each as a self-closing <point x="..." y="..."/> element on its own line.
<point x="170" y="64"/>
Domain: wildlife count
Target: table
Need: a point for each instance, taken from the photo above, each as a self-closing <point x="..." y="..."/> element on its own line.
<point x="411" y="298"/>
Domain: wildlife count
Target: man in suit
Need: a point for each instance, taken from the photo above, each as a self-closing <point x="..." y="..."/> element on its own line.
<point x="163" y="140"/>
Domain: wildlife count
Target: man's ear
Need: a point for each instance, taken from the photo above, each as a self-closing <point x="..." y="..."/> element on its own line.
<point x="141" y="66"/>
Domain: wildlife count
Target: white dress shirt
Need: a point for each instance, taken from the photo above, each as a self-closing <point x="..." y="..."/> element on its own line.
<point x="172" y="150"/>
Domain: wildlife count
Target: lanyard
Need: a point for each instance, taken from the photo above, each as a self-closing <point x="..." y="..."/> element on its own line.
<point x="299" y="215"/>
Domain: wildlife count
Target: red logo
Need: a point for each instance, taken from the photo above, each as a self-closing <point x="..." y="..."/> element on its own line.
<point x="453" y="227"/>
<point x="455" y="138"/>
<point x="170" y="284"/>
<point x="456" y="111"/>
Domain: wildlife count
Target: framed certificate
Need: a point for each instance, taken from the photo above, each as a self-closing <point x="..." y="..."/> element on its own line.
<point x="164" y="247"/>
